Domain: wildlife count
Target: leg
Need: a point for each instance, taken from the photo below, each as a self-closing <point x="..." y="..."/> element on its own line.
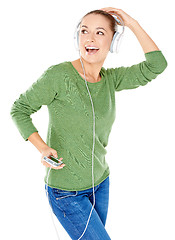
<point x="72" y="210"/>
<point x="102" y="200"/>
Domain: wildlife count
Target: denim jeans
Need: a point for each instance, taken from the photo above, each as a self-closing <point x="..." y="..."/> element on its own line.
<point x="72" y="208"/>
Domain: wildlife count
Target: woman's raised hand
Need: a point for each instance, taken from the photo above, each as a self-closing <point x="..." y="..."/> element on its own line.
<point x="128" y="20"/>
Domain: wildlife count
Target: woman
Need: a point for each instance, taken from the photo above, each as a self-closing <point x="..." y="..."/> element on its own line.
<point x="62" y="88"/>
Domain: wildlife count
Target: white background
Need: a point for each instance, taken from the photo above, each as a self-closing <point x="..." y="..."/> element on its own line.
<point x="140" y="152"/>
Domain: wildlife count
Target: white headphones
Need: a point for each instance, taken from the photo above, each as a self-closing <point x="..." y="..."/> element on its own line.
<point x="116" y="38"/>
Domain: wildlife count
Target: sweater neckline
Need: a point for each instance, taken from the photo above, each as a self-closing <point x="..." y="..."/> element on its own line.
<point x="91" y="83"/>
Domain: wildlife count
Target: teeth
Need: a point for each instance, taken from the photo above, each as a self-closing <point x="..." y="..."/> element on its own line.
<point x="91" y="48"/>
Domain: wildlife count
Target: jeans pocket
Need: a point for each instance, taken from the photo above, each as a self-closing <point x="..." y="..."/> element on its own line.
<point x="59" y="194"/>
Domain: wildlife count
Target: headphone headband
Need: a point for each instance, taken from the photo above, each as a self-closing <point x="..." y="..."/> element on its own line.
<point x="116" y="38"/>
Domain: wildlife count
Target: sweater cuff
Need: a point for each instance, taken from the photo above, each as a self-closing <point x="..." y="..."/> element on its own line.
<point x="27" y="134"/>
<point x="156" y="61"/>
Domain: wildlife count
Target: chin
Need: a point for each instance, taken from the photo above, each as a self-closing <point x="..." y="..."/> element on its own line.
<point x="93" y="59"/>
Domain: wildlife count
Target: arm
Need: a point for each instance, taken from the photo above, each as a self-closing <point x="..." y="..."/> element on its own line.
<point x="38" y="142"/>
<point x="41" y="92"/>
<point x="44" y="149"/>
<point x="145" y="41"/>
<point x="142" y="73"/>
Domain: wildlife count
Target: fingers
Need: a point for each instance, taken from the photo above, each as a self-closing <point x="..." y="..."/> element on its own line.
<point x="127" y="19"/>
<point x="59" y="167"/>
<point x="110" y="9"/>
<point x="50" y="152"/>
<point x="114" y="11"/>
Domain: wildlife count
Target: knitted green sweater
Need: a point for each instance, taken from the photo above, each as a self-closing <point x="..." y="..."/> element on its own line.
<point x="70" y="128"/>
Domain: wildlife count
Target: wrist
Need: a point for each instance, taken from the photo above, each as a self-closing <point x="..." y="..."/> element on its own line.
<point x="133" y="24"/>
<point x="38" y="142"/>
<point x="43" y="147"/>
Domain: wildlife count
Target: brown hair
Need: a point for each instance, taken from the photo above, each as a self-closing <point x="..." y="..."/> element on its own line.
<point x="107" y="15"/>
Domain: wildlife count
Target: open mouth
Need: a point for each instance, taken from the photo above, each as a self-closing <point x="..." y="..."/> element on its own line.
<point x="91" y="50"/>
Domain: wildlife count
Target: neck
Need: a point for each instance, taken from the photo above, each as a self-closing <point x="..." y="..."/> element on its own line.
<point x="92" y="70"/>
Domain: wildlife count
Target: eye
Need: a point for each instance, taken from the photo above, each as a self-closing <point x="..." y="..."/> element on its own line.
<point x="101" y="33"/>
<point x="82" y="31"/>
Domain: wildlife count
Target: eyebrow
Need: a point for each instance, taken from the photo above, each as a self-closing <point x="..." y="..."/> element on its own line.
<point x="96" y="28"/>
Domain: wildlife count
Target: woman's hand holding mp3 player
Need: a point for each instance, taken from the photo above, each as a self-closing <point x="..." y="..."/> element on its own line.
<point x="50" y="152"/>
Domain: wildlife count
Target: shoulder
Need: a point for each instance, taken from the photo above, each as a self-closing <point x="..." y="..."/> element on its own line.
<point x="58" y="68"/>
<point x="108" y="72"/>
<point x="56" y="72"/>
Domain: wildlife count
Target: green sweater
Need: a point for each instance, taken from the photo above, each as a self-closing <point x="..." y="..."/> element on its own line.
<point x="70" y="128"/>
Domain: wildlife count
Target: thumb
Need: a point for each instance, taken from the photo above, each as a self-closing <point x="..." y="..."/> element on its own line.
<point x="55" y="154"/>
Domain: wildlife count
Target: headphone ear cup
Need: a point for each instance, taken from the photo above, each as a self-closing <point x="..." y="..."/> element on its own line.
<point x="76" y="36"/>
<point x="114" y="42"/>
<point x="78" y="40"/>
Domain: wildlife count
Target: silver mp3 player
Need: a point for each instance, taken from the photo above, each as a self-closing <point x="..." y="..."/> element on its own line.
<point x="53" y="161"/>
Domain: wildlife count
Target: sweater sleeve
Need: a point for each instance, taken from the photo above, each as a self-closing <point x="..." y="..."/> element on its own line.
<point x="139" y="74"/>
<point x="41" y="92"/>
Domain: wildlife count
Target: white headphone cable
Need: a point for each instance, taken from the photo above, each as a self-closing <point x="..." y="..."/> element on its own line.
<point x="92" y="149"/>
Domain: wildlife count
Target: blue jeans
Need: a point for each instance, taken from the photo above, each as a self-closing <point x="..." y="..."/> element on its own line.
<point x="72" y="208"/>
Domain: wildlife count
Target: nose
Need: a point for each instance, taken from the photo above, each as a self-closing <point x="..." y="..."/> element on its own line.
<point x="90" y="40"/>
<point x="90" y="37"/>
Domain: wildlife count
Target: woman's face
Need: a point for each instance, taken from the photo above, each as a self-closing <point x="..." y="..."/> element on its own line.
<point x="95" y="32"/>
